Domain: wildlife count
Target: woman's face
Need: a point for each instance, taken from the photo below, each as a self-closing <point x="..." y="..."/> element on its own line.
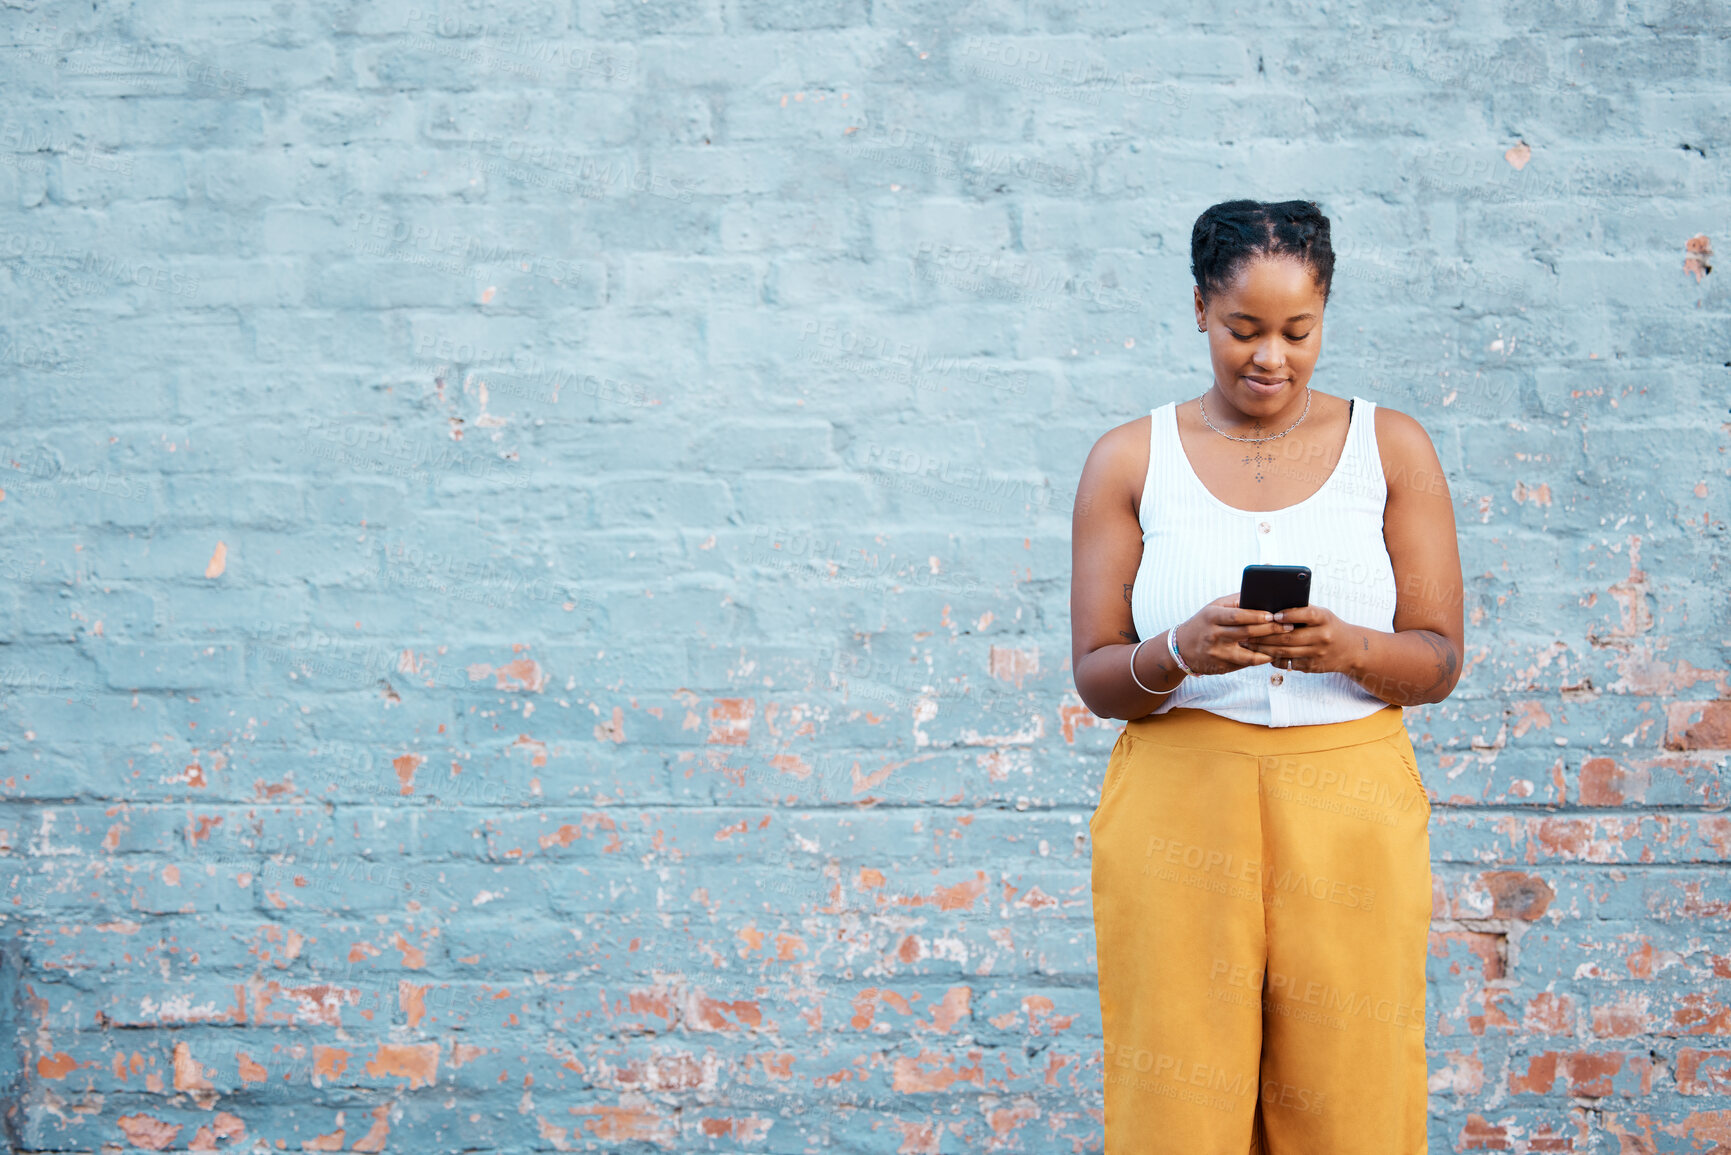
<point x="1264" y="333"/>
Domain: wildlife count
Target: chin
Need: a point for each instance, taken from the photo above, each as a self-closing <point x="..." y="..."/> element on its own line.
<point x="1258" y="392"/>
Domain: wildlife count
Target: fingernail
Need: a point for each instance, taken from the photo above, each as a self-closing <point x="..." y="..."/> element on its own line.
<point x="1279" y="617"/>
<point x="1269" y="617"/>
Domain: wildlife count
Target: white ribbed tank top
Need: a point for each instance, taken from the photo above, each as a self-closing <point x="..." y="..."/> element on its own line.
<point x="1195" y="548"/>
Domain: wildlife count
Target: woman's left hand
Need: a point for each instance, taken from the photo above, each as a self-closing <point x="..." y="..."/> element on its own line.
<point x="1318" y="642"/>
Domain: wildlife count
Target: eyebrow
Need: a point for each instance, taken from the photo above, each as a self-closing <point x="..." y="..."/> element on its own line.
<point x="1248" y="317"/>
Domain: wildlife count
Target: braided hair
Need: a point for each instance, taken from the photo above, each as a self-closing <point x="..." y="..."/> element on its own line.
<point x="1230" y="233"/>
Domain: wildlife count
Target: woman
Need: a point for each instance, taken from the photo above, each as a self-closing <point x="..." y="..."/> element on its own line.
<point x="1261" y="868"/>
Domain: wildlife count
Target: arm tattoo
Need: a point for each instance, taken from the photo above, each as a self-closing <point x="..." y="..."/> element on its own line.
<point x="1444" y="654"/>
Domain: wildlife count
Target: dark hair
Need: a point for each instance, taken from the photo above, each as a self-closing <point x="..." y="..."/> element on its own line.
<point x="1228" y="234"/>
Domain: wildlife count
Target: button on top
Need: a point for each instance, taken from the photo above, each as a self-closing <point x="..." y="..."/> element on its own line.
<point x="1264" y="527"/>
<point x="1276" y="679"/>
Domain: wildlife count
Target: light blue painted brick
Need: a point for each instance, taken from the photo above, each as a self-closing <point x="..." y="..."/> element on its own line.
<point x="727" y="342"/>
<point x="128" y="666"/>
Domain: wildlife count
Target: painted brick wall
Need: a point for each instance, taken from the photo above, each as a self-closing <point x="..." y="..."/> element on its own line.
<point x="536" y="551"/>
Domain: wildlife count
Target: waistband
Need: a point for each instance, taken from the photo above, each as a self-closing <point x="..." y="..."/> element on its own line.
<point x="1188" y="726"/>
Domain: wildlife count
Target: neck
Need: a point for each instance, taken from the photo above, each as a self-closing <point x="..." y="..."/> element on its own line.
<point x="1236" y="421"/>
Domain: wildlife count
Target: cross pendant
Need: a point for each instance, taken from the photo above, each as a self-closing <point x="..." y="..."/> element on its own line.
<point x="1258" y="458"/>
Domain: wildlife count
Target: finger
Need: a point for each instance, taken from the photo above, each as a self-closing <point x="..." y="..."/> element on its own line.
<point x="1269" y="630"/>
<point x="1262" y="630"/>
<point x="1244" y="637"/>
<point x="1297" y="653"/>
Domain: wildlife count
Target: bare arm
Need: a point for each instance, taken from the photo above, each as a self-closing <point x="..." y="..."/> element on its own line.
<point x="1105" y="552"/>
<point x="1420" y="660"/>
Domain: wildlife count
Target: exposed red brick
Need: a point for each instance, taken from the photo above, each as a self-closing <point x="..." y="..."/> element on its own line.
<point x="1488" y="948"/>
<point x="1623" y="1019"/>
<point x="418" y="1061"/>
<point x="1550" y="1014"/>
<point x="1541" y="1075"/>
<point x="1703" y="1072"/>
<point x="620" y="1123"/>
<point x="56" y="1066"/>
<point x="1698" y="725"/>
<point x="148" y="1133"/>
<point x="1590" y="1075"/>
<point x="912" y="1075"/>
<point x="1544" y="1138"/>
<point x="962" y="895"/>
<point x="1478" y="1135"/>
<point x="1517" y="895"/>
<point x="1697" y="1014"/>
<point x="1605" y="783"/>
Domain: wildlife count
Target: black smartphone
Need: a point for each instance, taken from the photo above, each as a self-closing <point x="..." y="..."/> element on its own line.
<point x="1274" y="587"/>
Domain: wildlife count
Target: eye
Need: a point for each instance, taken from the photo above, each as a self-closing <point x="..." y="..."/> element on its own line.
<point x="1301" y="337"/>
<point x="1240" y="336"/>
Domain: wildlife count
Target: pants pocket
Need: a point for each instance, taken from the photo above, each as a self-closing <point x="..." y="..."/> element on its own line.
<point x="1114" y="775"/>
<point x="1409" y="764"/>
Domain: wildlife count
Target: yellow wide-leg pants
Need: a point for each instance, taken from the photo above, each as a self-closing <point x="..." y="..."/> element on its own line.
<point x="1262" y="901"/>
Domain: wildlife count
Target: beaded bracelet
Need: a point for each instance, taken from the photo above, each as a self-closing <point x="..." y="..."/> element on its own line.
<point x="1172" y="645"/>
<point x="1145" y="689"/>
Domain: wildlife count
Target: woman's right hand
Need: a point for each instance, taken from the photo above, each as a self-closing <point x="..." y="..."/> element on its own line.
<point x="1210" y="639"/>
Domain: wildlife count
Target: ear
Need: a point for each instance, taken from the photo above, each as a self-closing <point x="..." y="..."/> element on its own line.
<point x="1201" y="309"/>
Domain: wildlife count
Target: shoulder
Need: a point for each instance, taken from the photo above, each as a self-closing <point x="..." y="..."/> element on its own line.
<point x="1401" y="433"/>
<point x="1118" y="462"/>
<point x="1409" y="459"/>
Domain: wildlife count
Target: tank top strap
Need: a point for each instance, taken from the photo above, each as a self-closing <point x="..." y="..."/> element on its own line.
<point x="1367" y="459"/>
<point x="1159" y="462"/>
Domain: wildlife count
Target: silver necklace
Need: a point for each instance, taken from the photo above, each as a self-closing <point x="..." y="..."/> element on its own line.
<point x="1282" y="433"/>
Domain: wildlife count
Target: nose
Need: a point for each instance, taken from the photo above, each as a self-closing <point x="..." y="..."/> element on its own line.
<point x="1270" y="355"/>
